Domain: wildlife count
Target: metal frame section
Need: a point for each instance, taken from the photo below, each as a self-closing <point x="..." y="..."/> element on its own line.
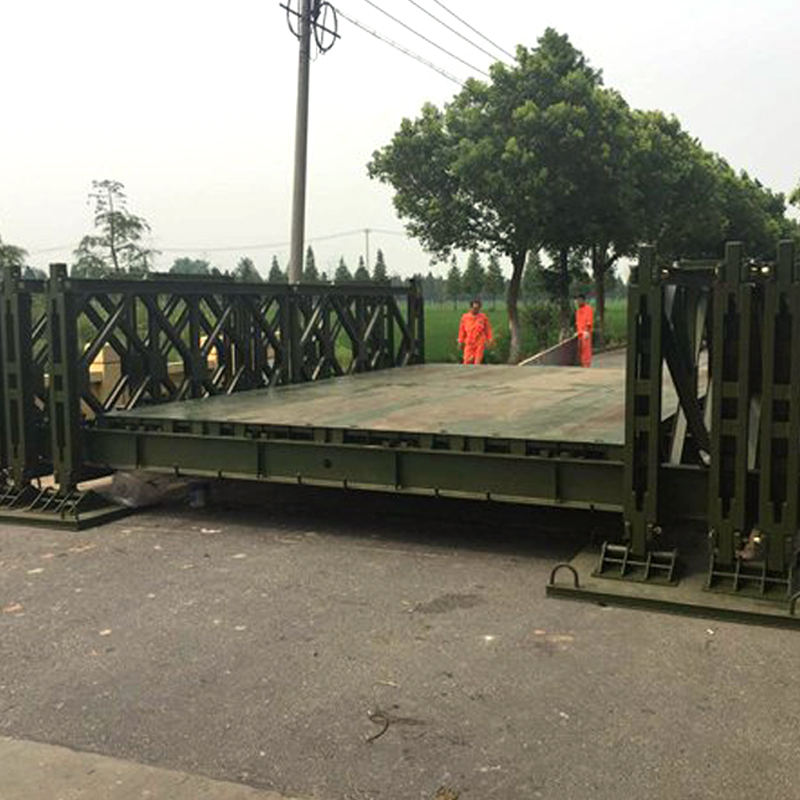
<point x="171" y="338"/>
<point x="504" y="470"/>
<point x="739" y="429"/>
<point x="643" y="408"/>
<point x="24" y="452"/>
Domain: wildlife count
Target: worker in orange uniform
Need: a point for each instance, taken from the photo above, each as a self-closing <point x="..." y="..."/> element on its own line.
<point x="584" y="324"/>
<point x="474" y="333"/>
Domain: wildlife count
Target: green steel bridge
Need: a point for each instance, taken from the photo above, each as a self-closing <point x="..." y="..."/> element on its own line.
<point x="694" y="445"/>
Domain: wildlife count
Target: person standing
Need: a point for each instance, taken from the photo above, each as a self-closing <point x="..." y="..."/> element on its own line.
<point x="584" y="325"/>
<point x="474" y="333"/>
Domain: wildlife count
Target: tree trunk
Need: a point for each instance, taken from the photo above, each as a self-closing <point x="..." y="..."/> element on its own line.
<point x="600" y="266"/>
<point x="563" y="288"/>
<point x="512" y="299"/>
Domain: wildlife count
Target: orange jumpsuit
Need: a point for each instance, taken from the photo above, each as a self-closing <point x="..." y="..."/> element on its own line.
<point x="474" y="332"/>
<point x="584" y="322"/>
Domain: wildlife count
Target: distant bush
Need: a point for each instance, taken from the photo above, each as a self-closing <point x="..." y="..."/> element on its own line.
<point x="540" y="328"/>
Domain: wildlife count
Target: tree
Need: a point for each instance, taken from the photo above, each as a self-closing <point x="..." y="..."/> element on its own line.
<point x="11" y="256"/>
<point x="310" y="273"/>
<point x="379" y="273"/>
<point x="190" y="266"/>
<point x="361" y="273"/>
<point x="474" y="277"/>
<point x="454" y="282"/>
<point x="34" y="274"/>
<point x="508" y="165"/>
<point x="276" y="274"/>
<point x="533" y="278"/>
<point x="429" y="287"/>
<point x="246" y="270"/>
<point x="116" y="248"/>
<point x="342" y="274"/>
<point x="495" y="281"/>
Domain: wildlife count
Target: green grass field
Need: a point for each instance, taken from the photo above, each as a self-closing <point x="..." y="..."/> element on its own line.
<point x="441" y="330"/>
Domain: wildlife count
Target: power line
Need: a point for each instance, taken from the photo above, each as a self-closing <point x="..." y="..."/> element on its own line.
<point x="400" y="48"/>
<point x="275" y="245"/>
<point x="245" y="247"/>
<point x="474" y="30"/>
<point x="452" y="29"/>
<point x="425" y="38"/>
<point x="54" y="249"/>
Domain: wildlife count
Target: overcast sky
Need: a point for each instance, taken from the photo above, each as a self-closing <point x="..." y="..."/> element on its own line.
<point x="191" y="105"/>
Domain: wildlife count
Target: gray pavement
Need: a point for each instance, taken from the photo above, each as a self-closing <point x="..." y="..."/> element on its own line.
<point x="34" y="771"/>
<point x="268" y="646"/>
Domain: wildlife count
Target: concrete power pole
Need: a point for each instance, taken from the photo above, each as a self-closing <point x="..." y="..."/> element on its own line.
<point x="300" y="145"/>
<point x="312" y="16"/>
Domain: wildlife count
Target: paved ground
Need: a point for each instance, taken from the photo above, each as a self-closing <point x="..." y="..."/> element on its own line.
<point x="255" y="646"/>
<point x="34" y="771"/>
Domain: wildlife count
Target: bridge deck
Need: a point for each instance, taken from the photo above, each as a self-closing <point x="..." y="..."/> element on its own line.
<point x="541" y="435"/>
<point x="543" y="404"/>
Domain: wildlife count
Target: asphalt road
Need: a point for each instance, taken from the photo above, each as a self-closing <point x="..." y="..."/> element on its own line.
<point x="267" y="646"/>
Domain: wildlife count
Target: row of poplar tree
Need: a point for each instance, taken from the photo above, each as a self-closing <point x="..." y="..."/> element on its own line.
<point x="246" y="270"/>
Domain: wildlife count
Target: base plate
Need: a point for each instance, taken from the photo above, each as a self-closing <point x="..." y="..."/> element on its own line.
<point x="45" y="508"/>
<point x="689" y="596"/>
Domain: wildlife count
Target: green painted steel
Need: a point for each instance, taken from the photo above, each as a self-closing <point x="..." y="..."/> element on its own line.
<point x="23" y="453"/>
<point x="697" y="446"/>
<point x="569" y="405"/>
<point x="170" y="339"/>
<point x="643" y="379"/>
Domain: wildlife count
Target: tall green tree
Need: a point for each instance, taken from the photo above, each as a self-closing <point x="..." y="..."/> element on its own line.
<point x="361" y="274"/>
<point x="246" y="270"/>
<point x="379" y="272"/>
<point x="190" y="266"/>
<point x="276" y="274"/>
<point x="495" y="281"/>
<point x="474" y="277"/>
<point x="342" y="272"/>
<point x="116" y="247"/>
<point x="310" y="272"/>
<point x="517" y="163"/>
<point x="429" y="287"/>
<point x="11" y="255"/>
<point x="453" y="285"/>
<point x="533" y="278"/>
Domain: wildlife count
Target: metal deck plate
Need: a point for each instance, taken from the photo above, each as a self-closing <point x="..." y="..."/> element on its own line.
<point x="546" y="403"/>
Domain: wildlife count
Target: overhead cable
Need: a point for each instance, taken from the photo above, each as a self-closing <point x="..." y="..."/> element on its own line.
<point x="274" y="245"/>
<point x="474" y="30"/>
<point x="425" y="38"/>
<point x="400" y="48"/>
<point x="452" y="29"/>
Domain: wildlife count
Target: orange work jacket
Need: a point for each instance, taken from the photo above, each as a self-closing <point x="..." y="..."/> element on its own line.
<point x="474" y="328"/>
<point x="584" y="319"/>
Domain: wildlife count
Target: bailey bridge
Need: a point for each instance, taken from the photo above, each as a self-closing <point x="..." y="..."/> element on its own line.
<point x="694" y="447"/>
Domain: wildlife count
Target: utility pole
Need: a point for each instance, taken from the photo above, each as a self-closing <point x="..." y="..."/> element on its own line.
<point x="366" y="236"/>
<point x="311" y="17"/>
<point x="300" y="145"/>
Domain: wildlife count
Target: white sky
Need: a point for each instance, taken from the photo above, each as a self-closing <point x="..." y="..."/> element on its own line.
<point x="191" y="105"/>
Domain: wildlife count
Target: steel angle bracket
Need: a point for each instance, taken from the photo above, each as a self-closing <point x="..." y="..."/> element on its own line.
<point x="689" y="596"/>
